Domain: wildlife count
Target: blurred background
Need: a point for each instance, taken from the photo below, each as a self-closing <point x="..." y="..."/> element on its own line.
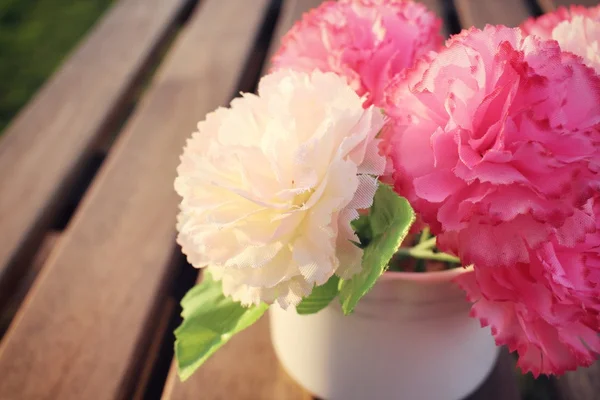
<point x="35" y="36"/>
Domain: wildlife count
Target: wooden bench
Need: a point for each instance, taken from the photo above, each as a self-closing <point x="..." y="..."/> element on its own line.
<point x="90" y="276"/>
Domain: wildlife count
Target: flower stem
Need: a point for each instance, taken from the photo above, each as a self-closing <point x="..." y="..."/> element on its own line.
<point x="424" y="254"/>
<point x="425" y="244"/>
<point x="425" y="234"/>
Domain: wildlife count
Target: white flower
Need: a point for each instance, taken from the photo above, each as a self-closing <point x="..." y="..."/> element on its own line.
<point x="270" y="185"/>
<point x="580" y="36"/>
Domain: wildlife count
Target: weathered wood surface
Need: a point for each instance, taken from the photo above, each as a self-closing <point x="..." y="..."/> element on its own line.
<point x="436" y="7"/>
<point x="244" y="369"/>
<point x="551" y="5"/>
<point x="91" y="325"/>
<point x="501" y="384"/>
<point x="587" y="3"/>
<point x="478" y="13"/>
<point x="85" y="325"/>
<point x="42" y="149"/>
<point x="583" y="384"/>
<point x="20" y="291"/>
<point x="291" y="11"/>
<point x="151" y="355"/>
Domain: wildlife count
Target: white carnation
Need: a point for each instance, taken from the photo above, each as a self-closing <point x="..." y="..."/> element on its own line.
<point x="269" y="187"/>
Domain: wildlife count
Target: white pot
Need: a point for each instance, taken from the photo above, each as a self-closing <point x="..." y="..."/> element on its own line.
<point x="409" y="338"/>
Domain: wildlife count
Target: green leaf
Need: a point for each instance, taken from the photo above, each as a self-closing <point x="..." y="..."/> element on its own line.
<point x="209" y="320"/>
<point x="320" y="297"/>
<point x="390" y="219"/>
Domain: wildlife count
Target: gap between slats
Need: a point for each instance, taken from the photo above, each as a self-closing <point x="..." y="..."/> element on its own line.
<point x="450" y="17"/>
<point x="114" y="126"/>
<point x="20" y="290"/>
<point x="159" y="358"/>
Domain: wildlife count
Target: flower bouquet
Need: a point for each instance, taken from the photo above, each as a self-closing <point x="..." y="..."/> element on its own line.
<point x="379" y="175"/>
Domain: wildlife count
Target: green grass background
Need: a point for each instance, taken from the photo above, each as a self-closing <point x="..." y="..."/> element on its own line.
<point x="35" y="37"/>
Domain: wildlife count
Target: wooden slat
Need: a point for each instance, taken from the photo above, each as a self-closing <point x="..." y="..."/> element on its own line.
<point x="436" y="7"/>
<point x="246" y="368"/>
<point x="583" y="384"/>
<point x="292" y="11"/>
<point x="501" y="384"/>
<point x="83" y="330"/>
<point x="42" y="149"/>
<point x="152" y="354"/>
<point x="546" y="5"/>
<point x="558" y="3"/>
<point x="19" y="292"/>
<point x="481" y="12"/>
<point x="433" y="5"/>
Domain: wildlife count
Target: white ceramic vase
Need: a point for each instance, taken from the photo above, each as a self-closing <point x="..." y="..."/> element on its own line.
<point x="410" y="338"/>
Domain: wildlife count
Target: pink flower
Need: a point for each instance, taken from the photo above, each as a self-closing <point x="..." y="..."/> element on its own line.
<point x="577" y="30"/>
<point x="495" y="143"/>
<point x="365" y="41"/>
<point x="495" y="134"/>
<point x="544" y="25"/>
<point x="548" y="309"/>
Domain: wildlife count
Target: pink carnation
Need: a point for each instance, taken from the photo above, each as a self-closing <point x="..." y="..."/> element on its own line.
<point x="544" y="25"/>
<point x="548" y="309"/>
<point x="496" y="134"/>
<point x="366" y="41"/>
<point x="495" y="144"/>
